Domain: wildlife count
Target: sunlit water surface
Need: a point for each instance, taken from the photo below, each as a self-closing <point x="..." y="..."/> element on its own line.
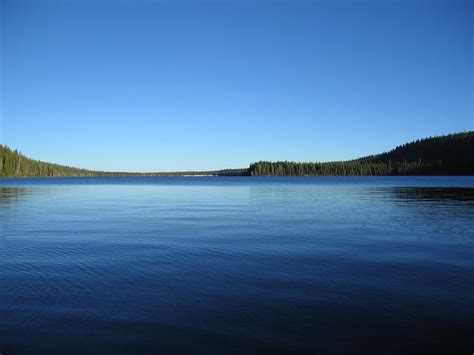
<point x="237" y="265"/>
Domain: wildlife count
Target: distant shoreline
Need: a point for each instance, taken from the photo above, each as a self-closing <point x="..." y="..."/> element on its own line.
<point x="451" y="154"/>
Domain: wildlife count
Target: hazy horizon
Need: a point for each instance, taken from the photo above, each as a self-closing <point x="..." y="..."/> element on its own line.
<point x="207" y="85"/>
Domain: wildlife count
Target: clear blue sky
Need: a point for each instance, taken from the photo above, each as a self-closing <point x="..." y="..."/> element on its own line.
<point x="176" y="85"/>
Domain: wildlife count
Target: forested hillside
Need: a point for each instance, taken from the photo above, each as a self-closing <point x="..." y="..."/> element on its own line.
<point x="445" y="155"/>
<point x="15" y="164"/>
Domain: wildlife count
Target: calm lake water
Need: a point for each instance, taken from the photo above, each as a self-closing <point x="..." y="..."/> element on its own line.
<point x="237" y="265"/>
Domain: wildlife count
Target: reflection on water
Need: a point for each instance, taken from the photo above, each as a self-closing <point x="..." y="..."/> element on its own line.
<point x="12" y="195"/>
<point x="237" y="266"/>
<point x="434" y="194"/>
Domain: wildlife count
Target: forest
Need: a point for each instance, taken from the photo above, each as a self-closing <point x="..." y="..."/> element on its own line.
<point x="451" y="154"/>
<point x="15" y="164"/>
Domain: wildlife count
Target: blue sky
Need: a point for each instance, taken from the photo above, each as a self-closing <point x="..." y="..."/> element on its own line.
<point x="177" y="85"/>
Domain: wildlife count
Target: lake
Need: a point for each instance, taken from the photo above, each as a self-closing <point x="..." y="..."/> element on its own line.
<point x="370" y="265"/>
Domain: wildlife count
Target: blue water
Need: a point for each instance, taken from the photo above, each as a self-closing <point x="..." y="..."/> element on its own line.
<point x="237" y="265"/>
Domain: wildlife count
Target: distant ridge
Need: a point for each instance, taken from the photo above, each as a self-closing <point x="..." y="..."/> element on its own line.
<point x="451" y="154"/>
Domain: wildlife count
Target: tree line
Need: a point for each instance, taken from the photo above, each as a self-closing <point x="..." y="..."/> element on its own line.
<point x="451" y="154"/>
<point x="15" y="164"/>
